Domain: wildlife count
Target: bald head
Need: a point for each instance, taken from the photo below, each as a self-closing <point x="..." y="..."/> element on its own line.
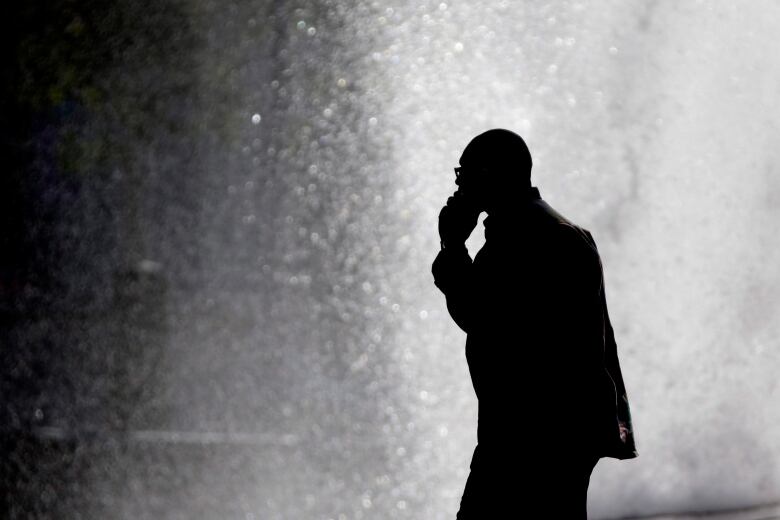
<point x="503" y="153"/>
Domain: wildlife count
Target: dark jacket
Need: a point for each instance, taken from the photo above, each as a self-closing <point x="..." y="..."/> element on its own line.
<point x="540" y="347"/>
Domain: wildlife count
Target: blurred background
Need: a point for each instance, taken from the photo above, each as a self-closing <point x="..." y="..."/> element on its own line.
<point x="217" y="221"/>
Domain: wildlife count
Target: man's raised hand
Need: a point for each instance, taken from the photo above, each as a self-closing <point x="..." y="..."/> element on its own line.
<point x="457" y="219"/>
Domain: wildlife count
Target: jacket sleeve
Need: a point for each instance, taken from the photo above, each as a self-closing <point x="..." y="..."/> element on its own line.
<point x="453" y="275"/>
<point x="627" y="445"/>
<point x="626" y="429"/>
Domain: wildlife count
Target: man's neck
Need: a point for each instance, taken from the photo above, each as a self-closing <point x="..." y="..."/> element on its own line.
<point x="510" y="206"/>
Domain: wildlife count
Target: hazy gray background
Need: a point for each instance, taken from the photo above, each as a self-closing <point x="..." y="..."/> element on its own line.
<point x="218" y="220"/>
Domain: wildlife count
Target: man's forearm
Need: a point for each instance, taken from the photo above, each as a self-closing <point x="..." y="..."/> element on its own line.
<point x="452" y="272"/>
<point x="451" y="266"/>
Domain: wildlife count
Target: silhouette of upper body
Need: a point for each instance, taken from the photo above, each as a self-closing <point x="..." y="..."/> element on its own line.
<point x="540" y="346"/>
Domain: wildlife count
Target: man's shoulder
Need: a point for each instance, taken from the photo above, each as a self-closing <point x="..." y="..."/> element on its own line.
<point x="576" y="246"/>
<point x="565" y="229"/>
<point x="578" y="235"/>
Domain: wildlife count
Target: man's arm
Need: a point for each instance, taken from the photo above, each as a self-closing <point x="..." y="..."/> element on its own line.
<point x="452" y="274"/>
<point x="452" y="269"/>
<point x="613" y="367"/>
<point x="612" y="364"/>
<point x="610" y="346"/>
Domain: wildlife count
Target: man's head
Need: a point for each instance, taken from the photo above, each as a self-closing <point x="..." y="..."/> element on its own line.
<point x="495" y="166"/>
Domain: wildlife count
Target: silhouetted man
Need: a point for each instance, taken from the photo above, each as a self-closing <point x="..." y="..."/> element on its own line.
<point x="540" y="347"/>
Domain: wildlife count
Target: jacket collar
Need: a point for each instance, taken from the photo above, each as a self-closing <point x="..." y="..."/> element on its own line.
<point x="501" y="220"/>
